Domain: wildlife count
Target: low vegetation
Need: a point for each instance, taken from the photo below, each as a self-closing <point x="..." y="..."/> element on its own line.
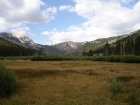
<point x="115" y="87"/>
<point x="112" y="58"/>
<point x="74" y="83"/>
<point x="7" y="82"/>
<point x="60" y="58"/>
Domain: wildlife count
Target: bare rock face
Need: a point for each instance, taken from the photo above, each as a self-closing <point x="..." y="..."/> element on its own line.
<point x="19" y="39"/>
<point x="68" y="46"/>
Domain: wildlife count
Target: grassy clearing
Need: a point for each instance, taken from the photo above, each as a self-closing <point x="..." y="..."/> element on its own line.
<point x="73" y="83"/>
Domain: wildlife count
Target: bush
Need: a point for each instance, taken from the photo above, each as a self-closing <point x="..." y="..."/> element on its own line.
<point x="46" y="58"/>
<point x="99" y="58"/>
<point x="130" y="59"/>
<point x="115" y="86"/>
<point x="113" y="58"/>
<point x="8" y="82"/>
<point x="59" y="58"/>
<point x="17" y="58"/>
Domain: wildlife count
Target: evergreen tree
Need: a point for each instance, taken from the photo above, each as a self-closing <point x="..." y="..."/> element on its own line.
<point x="128" y="47"/>
<point x="10" y="49"/>
<point x="107" y="49"/>
<point x="90" y="53"/>
<point x="137" y="46"/>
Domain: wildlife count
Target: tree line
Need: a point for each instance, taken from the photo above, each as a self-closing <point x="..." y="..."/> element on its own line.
<point x="10" y="49"/>
<point x="129" y="46"/>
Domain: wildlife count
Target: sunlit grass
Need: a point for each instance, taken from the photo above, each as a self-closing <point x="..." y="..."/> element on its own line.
<point x="72" y="83"/>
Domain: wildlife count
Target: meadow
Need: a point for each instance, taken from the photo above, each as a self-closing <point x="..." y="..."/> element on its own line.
<point x="73" y="83"/>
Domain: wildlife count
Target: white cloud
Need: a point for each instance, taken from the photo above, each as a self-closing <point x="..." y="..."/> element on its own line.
<point x="15" y="13"/>
<point x="22" y="30"/>
<point x="105" y="18"/>
<point x="66" y="7"/>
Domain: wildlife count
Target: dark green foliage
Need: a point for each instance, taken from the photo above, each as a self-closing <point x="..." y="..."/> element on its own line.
<point x="8" y="82"/>
<point x="130" y="59"/>
<point x="107" y="49"/>
<point x="113" y="58"/>
<point x="60" y="58"/>
<point x="99" y="58"/>
<point x="10" y="49"/>
<point x="124" y="59"/>
<point x="46" y="58"/>
<point x="84" y="53"/>
<point x="125" y="78"/>
<point x="90" y="53"/>
<point x="137" y="46"/>
<point x="18" y="58"/>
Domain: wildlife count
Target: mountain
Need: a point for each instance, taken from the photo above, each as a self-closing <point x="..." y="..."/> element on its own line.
<point x="120" y="45"/>
<point x="68" y="46"/>
<point x="95" y="44"/>
<point x="20" y="40"/>
<point x="8" y="48"/>
<point x="27" y="42"/>
<point x="100" y="43"/>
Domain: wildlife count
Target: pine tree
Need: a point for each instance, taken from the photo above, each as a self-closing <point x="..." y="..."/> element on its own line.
<point x="90" y="53"/>
<point x="107" y="49"/>
<point x="137" y="46"/>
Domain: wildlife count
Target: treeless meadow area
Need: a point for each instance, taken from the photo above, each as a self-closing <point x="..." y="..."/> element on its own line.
<point x="73" y="83"/>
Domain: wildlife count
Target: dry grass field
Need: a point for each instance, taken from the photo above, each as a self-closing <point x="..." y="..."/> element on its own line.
<point x="73" y="83"/>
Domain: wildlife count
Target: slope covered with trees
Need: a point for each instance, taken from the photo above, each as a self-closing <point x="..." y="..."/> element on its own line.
<point x="10" y="49"/>
<point x="128" y="45"/>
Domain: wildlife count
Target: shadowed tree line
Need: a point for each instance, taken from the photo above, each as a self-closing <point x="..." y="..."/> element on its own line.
<point x="10" y="49"/>
<point x="129" y="46"/>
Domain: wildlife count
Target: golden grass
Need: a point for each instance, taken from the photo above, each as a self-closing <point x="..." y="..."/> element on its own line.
<point x="68" y="82"/>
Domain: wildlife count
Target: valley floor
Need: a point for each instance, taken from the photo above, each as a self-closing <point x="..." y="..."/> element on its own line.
<point x="72" y="83"/>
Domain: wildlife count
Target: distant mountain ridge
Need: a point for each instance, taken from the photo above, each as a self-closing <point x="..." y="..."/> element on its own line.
<point x="26" y="42"/>
<point x="99" y="43"/>
<point x="22" y="40"/>
<point x="65" y="47"/>
<point x="8" y="48"/>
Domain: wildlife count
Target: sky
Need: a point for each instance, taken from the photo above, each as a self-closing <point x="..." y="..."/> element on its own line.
<point x="54" y="21"/>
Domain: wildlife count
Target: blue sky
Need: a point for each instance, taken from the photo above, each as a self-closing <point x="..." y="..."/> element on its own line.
<point x="55" y="21"/>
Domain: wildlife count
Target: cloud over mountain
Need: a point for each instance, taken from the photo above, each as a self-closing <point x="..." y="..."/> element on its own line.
<point x="105" y="18"/>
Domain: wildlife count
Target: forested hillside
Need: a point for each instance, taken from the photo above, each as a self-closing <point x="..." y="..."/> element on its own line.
<point x="10" y="49"/>
<point x="128" y="45"/>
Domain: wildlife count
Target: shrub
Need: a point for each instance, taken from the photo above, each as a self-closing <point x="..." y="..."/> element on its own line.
<point x="59" y="58"/>
<point x="130" y="59"/>
<point x="17" y="57"/>
<point x="8" y="82"/>
<point x="115" y="86"/>
<point x="113" y="58"/>
<point x="99" y="58"/>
